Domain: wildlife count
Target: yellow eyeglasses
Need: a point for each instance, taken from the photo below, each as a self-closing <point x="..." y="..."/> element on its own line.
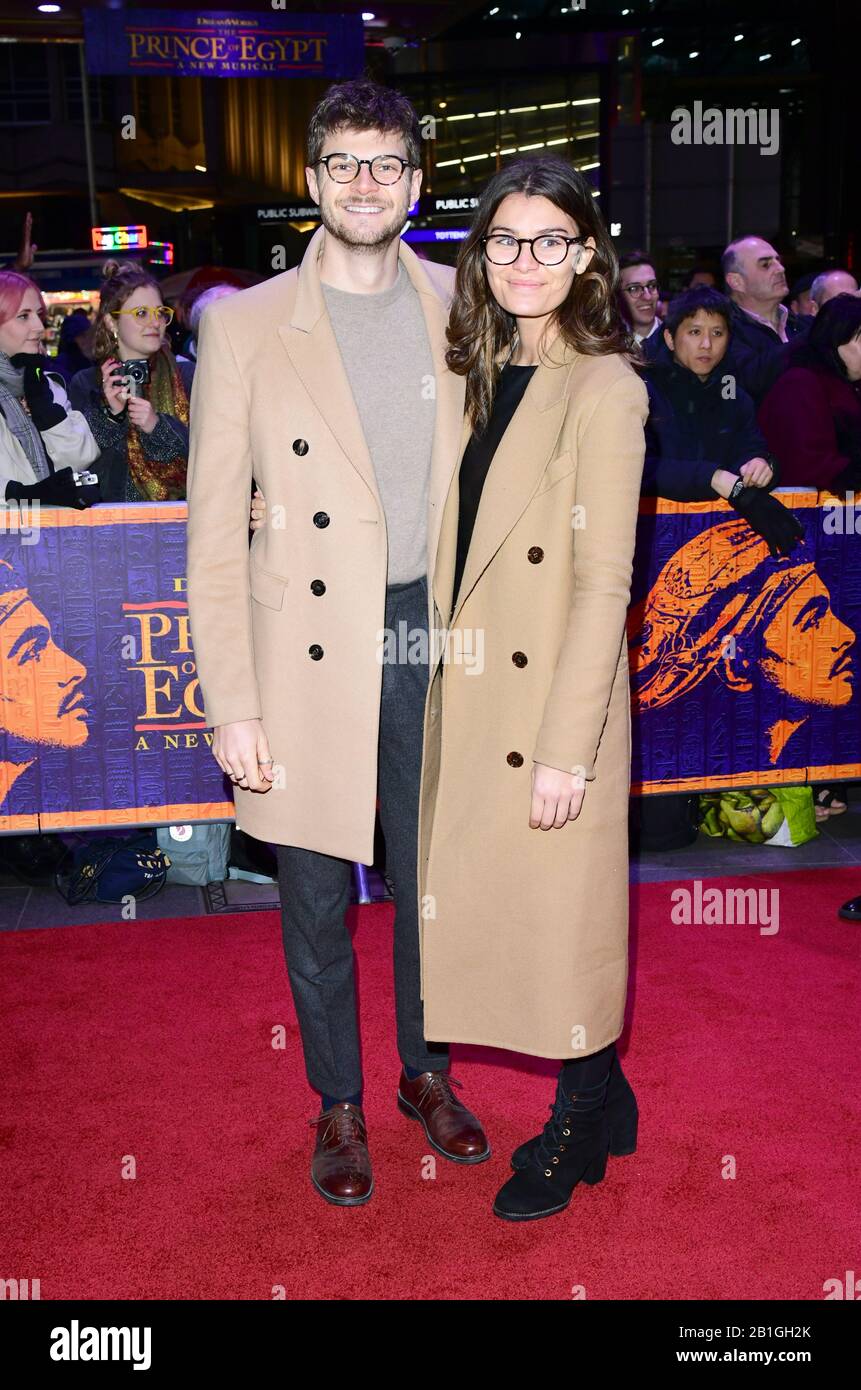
<point x="161" y="313"/>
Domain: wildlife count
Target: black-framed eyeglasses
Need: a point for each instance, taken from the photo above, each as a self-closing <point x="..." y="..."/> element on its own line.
<point x="384" y="168"/>
<point x="502" y="249"/>
<point x="637" y="289"/>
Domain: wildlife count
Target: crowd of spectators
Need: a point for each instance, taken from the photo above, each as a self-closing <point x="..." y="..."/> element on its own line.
<point x="752" y="387"/>
<point x="747" y="393"/>
<point x="114" y="402"/>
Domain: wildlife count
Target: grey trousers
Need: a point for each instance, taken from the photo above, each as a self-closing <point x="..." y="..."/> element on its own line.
<point x="315" y="888"/>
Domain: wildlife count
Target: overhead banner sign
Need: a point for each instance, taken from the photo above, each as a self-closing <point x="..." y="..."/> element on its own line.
<point x="222" y="43"/>
<point x="744" y="669"/>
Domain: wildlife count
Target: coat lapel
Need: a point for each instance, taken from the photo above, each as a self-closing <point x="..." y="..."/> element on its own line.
<point x="522" y="456"/>
<point x="448" y="423"/>
<point x="313" y="349"/>
<point x="446" y="557"/>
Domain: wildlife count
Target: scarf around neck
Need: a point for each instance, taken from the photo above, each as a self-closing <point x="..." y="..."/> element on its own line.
<point x="18" y="419"/>
<point x="165" y="480"/>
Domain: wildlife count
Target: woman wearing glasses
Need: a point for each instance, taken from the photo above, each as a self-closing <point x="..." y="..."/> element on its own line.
<point x="135" y="397"/>
<point x="523" y="835"/>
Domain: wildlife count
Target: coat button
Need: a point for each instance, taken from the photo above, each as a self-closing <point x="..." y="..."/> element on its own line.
<point x="300" y="446"/>
<point x="519" y="658"/>
<point x="321" y="519"/>
<point x="315" y="652"/>
<point x="535" y="555"/>
<point x="318" y="587"/>
<point x="515" y="759"/>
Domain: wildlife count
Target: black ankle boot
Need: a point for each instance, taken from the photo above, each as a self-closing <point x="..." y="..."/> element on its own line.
<point x="572" y="1148"/>
<point x="622" y="1119"/>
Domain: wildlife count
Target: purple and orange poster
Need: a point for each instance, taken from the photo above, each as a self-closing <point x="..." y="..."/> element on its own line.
<point x="101" y="721"/>
<point x="744" y="668"/>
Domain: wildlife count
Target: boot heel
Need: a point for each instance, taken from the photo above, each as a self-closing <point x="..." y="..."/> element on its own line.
<point x="623" y="1139"/>
<point x="596" y="1170"/>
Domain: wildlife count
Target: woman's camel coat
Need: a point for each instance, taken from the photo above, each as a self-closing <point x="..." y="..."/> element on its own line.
<point x="524" y="932"/>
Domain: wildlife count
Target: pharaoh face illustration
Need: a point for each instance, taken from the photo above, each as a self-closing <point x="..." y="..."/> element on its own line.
<point x="721" y="604"/>
<point x="42" y="700"/>
<point x="807" y="649"/>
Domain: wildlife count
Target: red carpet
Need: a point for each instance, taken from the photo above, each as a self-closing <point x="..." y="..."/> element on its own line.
<point x="154" y="1041"/>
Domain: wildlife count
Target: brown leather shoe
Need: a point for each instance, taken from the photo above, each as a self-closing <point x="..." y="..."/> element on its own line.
<point x="341" y="1166"/>
<point x="451" y="1129"/>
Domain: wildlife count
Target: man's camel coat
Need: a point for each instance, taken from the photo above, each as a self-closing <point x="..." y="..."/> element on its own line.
<point x="271" y="399"/>
<point x="524" y="932"/>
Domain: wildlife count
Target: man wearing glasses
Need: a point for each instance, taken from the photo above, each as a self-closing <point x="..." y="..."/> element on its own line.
<point x="328" y="385"/>
<point x="640" y="300"/>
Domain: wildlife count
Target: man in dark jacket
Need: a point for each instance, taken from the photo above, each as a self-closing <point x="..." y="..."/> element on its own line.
<point x="761" y="324"/>
<point x="702" y="440"/>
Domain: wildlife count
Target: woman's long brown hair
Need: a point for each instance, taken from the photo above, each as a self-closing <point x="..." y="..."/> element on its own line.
<point x="480" y="330"/>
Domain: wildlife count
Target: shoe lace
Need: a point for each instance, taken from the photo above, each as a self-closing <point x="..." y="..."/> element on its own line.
<point x="345" y="1125"/>
<point x="551" y="1141"/>
<point x="438" y="1087"/>
<point x="559" y="1131"/>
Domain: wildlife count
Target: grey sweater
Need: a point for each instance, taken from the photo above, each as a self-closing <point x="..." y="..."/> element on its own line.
<point x="383" y="342"/>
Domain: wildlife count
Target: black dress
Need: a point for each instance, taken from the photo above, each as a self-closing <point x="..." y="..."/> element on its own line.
<point x="478" y="457"/>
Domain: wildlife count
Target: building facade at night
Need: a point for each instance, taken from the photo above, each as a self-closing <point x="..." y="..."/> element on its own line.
<point x="215" y="165"/>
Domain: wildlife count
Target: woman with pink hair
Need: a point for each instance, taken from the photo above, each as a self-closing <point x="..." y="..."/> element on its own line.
<point x="43" y="442"/>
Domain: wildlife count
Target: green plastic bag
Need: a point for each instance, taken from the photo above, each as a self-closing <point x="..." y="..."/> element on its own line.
<point x="762" y="815"/>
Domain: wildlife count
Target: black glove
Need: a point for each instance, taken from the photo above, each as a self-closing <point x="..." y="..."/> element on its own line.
<point x="44" y="410"/>
<point x="778" y="526"/>
<point x="57" y="490"/>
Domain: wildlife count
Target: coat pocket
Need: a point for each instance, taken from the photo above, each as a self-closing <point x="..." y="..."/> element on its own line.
<point x="266" y="588"/>
<point x="556" y="470"/>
